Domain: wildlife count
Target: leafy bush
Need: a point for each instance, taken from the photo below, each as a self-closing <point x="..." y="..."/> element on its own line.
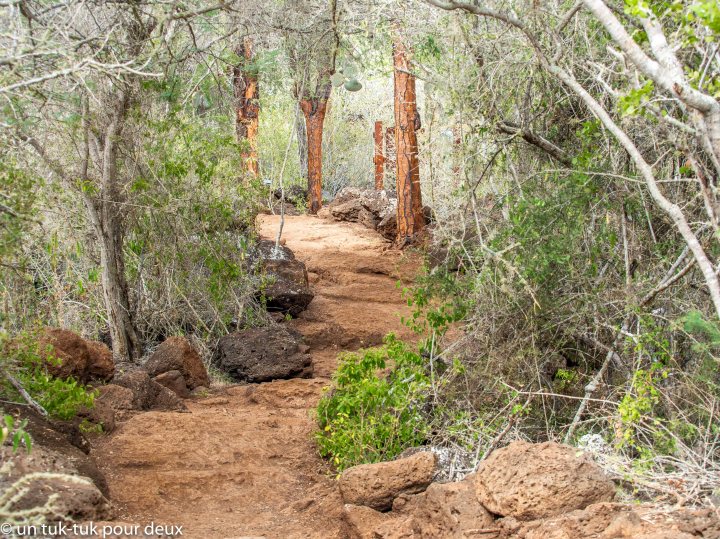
<point x="61" y="398"/>
<point x="23" y="360"/>
<point x="370" y="414"/>
<point x="191" y="262"/>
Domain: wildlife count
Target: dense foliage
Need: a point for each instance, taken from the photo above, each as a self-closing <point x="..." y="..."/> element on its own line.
<point x="570" y="154"/>
<point x="375" y="408"/>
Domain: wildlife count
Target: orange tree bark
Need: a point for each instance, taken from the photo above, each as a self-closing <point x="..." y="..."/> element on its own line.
<point x="312" y="58"/>
<point x="410" y="218"/>
<point x="378" y="158"/>
<point x="314" y="109"/>
<point x="247" y="106"/>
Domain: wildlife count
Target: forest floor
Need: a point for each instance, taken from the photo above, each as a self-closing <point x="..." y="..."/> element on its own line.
<point x="243" y="463"/>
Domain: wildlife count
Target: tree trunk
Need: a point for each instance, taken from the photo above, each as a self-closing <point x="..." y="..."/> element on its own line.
<point x="107" y="218"/>
<point x="410" y="218"/>
<point x="125" y="342"/>
<point x="314" y="110"/>
<point x="107" y="214"/>
<point x="301" y="135"/>
<point x="378" y="158"/>
<point x="247" y="107"/>
<point x="108" y="227"/>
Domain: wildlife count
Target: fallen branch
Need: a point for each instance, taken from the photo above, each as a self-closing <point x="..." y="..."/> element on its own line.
<point x="35" y="405"/>
<point x="536" y="140"/>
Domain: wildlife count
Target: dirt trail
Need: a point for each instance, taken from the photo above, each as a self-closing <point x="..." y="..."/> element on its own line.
<point x="243" y="463"/>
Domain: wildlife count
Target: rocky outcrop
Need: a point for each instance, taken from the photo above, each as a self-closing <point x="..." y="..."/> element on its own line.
<point x="101" y="366"/>
<point x="177" y="355"/>
<point x="263" y="354"/>
<point x="147" y="394"/>
<point x="54" y="466"/>
<point x="387" y="226"/>
<point x="522" y="491"/>
<point x="530" y="481"/>
<point x="120" y="399"/>
<point x="166" y="400"/>
<point x="76" y="357"/>
<point x="73" y="497"/>
<point x="377" y="485"/>
<point x="286" y="288"/>
<point x="166" y="378"/>
<point x="617" y="521"/>
<point x="140" y="385"/>
<point x="100" y="413"/>
<point x="175" y="382"/>
<point x="447" y="510"/>
<point x="365" y="523"/>
<point x="373" y="209"/>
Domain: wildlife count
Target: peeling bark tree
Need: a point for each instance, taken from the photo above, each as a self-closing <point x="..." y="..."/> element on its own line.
<point x="247" y="106"/>
<point x="314" y="109"/>
<point x="410" y="218"/>
<point x="379" y="158"/>
<point x="312" y="50"/>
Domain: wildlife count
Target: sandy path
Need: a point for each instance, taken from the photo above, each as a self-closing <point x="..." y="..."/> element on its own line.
<point x="243" y="463"/>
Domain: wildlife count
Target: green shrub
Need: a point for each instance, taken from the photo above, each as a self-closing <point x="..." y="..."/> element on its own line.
<point x="61" y="398"/>
<point x="22" y="358"/>
<point x="370" y="414"/>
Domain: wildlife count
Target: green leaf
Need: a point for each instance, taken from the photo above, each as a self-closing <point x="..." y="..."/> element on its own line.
<point x="28" y="442"/>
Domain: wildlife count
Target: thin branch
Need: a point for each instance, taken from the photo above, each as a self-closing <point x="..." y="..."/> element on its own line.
<point x="25" y="395"/>
<point x="545" y="145"/>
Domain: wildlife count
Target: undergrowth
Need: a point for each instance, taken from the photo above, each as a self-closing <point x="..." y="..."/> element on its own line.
<point x="374" y="409"/>
<point x="24" y="360"/>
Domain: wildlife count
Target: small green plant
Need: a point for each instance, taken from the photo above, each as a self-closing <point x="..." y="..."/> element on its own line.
<point x="15" y="433"/>
<point x="638" y="403"/>
<point x="370" y="414"/>
<point x="564" y="378"/>
<point x="437" y="299"/>
<point x="644" y="426"/>
<point x="88" y="427"/>
<point x="706" y="332"/>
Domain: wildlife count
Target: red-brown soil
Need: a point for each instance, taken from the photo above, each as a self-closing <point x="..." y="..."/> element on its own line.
<point x="243" y="462"/>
